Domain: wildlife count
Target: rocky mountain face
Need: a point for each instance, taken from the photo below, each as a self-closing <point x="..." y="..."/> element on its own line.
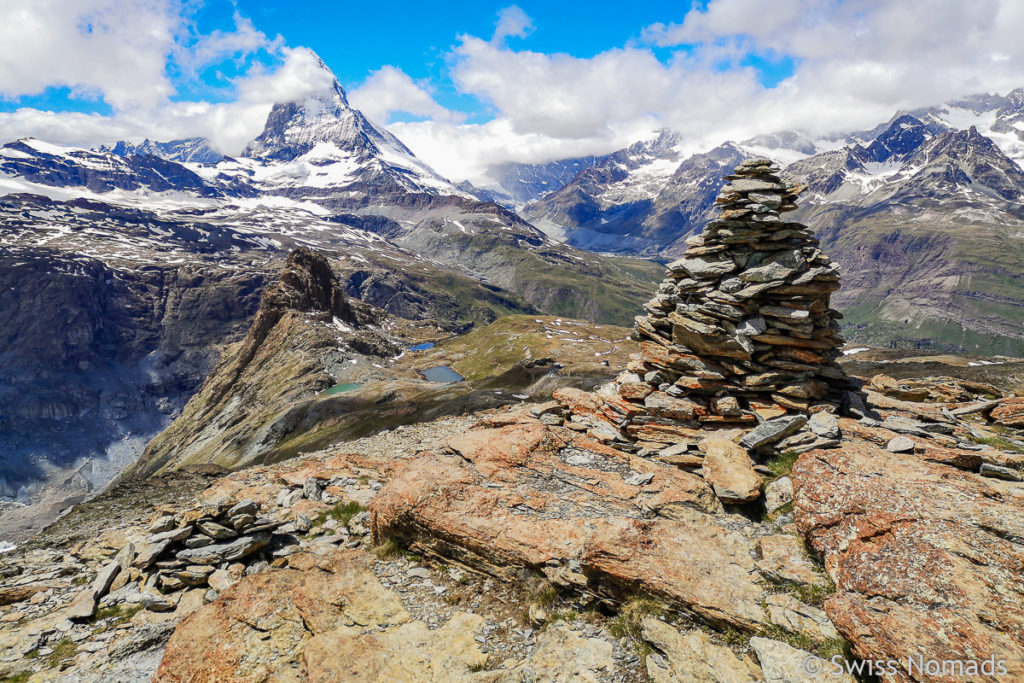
<point x="195" y="150"/>
<point x="304" y="333"/>
<point x="921" y="211"/>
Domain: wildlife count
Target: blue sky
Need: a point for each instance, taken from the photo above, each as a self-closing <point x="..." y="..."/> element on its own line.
<point x="468" y="84"/>
<point x="356" y="38"/>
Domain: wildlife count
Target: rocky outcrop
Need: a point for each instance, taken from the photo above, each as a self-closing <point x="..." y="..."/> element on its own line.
<point x="303" y="331"/>
<point x="521" y="495"/>
<point x="926" y="558"/>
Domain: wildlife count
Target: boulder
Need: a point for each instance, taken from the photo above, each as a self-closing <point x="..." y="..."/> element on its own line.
<point x="225" y="552"/>
<point x="1009" y="412"/>
<point x="269" y="625"/>
<point x="926" y="558"/>
<point x="727" y="469"/>
<point x="693" y="657"/>
<point x="770" y="431"/>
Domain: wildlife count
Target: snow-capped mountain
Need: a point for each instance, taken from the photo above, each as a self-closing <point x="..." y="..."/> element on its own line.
<point x="634" y="200"/>
<point x="195" y="150"/>
<point x="924" y="212"/>
<point x="322" y="142"/>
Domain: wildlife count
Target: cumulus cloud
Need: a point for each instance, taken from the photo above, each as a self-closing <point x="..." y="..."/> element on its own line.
<point x="856" y="63"/>
<point x="211" y="48"/>
<point x="228" y="125"/>
<point x="512" y="22"/>
<point x="111" y="48"/>
<point x="389" y="89"/>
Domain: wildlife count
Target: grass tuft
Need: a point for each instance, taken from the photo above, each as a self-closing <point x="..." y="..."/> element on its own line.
<point x="63" y="650"/>
<point x="781" y="464"/>
<point x="19" y="677"/>
<point x="629" y="623"/>
<point x="342" y="512"/>
<point x="387" y="549"/>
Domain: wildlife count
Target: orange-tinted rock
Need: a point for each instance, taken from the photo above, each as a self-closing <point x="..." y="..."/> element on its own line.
<point x="568" y="498"/>
<point x="1009" y="412"/>
<point x="728" y="470"/>
<point x="636" y="391"/>
<point x="927" y="559"/>
<point x="258" y="629"/>
<point x="662" y="433"/>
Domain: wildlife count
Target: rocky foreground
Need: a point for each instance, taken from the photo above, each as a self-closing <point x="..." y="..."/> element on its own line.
<point x="512" y="545"/>
<point x="731" y="507"/>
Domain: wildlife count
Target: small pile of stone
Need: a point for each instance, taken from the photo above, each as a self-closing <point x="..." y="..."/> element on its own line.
<point x="207" y="547"/>
<point x="740" y="331"/>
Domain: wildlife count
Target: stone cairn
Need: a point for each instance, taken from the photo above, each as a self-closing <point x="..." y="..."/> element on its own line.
<point x="209" y="547"/>
<point x="740" y="331"/>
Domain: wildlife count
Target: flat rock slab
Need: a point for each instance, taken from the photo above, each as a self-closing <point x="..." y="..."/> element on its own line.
<point x="262" y="627"/>
<point x="782" y="663"/>
<point x="784" y="558"/>
<point x="927" y="559"/>
<point x="728" y="470"/>
<point x="694" y="657"/>
<point x="526" y="495"/>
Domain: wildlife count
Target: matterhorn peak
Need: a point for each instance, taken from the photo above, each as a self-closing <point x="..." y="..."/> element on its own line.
<point x="322" y="115"/>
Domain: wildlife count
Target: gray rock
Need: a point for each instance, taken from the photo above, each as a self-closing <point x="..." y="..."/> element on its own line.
<point x="82" y="606"/>
<point x="900" y="444"/>
<point x="773" y="430"/>
<point x="904" y="425"/>
<point x="974" y="408"/>
<point x="824" y="424"/>
<point x="551" y="419"/>
<point x="198" y="541"/>
<point x="778" y="493"/>
<point x="703" y="267"/>
<point x="172" y="535"/>
<point x="216" y="531"/>
<point x="312" y="488"/>
<point x="157" y="602"/>
<point x="148" y="554"/>
<point x="754" y="185"/>
<point x="244" y="507"/>
<point x="1000" y="472"/>
<point x="766" y="273"/>
<point x="730" y="285"/>
<point x="105" y="577"/>
<point x="242" y="522"/>
<point x="226" y="552"/>
<point x="751" y="326"/>
<point x="639" y="478"/>
<point x="164" y="523"/>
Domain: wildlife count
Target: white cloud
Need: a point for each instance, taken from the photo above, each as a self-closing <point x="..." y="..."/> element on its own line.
<point x="228" y="125"/>
<point x="857" y="63"/>
<point x="512" y="22"/>
<point x="389" y="89"/>
<point x="218" y="45"/>
<point x="113" y="48"/>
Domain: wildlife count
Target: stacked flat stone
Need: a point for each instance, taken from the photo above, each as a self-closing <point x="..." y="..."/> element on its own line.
<point x="740" y="330"/>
